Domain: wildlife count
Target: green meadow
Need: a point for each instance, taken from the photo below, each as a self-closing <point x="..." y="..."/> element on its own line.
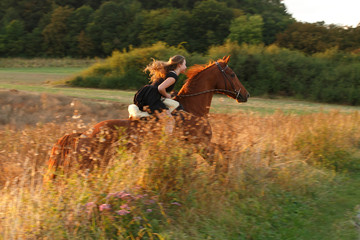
<point x="51" y="80"/>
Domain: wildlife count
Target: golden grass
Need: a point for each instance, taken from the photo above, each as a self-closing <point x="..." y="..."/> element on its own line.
<point x="257" y="153"/>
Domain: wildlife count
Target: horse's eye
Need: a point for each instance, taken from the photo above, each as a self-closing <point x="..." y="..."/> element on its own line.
<point x="233" y="75"/>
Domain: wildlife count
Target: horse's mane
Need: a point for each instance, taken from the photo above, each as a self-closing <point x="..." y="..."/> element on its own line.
<point x="196" y="69"/>
<point x="192" y="73"/>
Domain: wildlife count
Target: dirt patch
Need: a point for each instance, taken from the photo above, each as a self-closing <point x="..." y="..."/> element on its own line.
<point x="19" y="109"/>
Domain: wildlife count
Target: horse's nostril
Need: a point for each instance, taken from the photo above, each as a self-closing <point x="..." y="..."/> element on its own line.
<point x="248" y="95"/>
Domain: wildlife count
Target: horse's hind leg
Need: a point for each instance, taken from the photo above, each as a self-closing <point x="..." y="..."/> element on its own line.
<point x="60" y="155"/>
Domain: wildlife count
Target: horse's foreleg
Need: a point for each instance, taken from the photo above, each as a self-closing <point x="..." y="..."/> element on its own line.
<point x="214" y="154"/>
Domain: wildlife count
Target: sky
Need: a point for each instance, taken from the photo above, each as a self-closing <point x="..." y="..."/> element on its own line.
<point x="339" y="12"/>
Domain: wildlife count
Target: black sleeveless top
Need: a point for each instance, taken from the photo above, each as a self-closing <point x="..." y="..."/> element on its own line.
<point x="161" y="80"/>
<point x="149" y="95"/>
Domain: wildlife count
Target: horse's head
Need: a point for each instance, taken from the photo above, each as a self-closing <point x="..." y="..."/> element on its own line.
<point x="203" y="80"/>
<point x="227" y="82"/>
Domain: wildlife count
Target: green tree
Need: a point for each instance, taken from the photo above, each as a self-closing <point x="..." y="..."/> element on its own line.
<point x="307" y="37"/>
<point x="31" y="12"/>
<point x="210" y="25"/>
<point x="94" y="4"/>
<point x="247" y="29"/>
<point x="181" y="4"/>
<point x="275" y="22"/>
<point x="34" y="40"/>
<point x="8" y="8"/>
<point x="10" y="15"/>
<point x="166" y="25"/>
<point x="85" y="45"/>
<point x="112" y="26"/>
<point x="2" y="45"/>
<point x="349" y="38"/>
<point x="273" y="12"/>
<point x="56" y="31"/>
<point x="77" y="36"/>
<point x="177" y="26"/>
<point x="12" y="42"/>
<point x="34" y="43"/>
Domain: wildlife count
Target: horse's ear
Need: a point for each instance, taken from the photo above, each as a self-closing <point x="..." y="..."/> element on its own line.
<point x="226" y="59"/>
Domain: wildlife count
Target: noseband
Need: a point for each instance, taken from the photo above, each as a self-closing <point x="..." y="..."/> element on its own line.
<point x="226" y="79"/>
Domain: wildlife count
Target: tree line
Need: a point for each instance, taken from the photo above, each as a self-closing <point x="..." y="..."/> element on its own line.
<point x="89" y="28"/>
<point x="332" y="76"/>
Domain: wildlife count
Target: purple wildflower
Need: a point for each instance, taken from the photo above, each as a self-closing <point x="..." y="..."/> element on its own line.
<point x="125" y="195"/>
<point x="176" y="203"/>
<point x="149" y="210"/>
<point x="149" y="201"/>
<point x="140" y="196"/>
<point x="111" y="195"/>
<point x="103" y="207"/>
<point x="122" y="212"/>
<point x="125" y="206"/>
<point x="90" y="205"/>
<point x="119" y="194"/>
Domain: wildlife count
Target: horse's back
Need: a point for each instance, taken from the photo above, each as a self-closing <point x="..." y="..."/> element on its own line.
<point x="114" y="124"/>
<point x="94" y="145"/>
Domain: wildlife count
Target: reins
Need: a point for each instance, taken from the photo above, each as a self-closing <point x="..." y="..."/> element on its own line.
<point x="207" y="91"/>
<point x="237" y="93"/>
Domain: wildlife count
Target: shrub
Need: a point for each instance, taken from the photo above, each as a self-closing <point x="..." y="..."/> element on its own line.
<point x="328" y="77"/>
<point x="124" y="70"/>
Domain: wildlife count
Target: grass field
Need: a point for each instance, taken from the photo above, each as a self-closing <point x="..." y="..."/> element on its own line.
<point x="44" y="80"/>
<point x="294" y="170"/>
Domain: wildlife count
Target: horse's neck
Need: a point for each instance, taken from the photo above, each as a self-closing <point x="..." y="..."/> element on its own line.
<point x="198" y="105"/>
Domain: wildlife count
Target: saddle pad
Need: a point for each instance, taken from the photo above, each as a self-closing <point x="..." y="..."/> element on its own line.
<point x="135" y="113"/>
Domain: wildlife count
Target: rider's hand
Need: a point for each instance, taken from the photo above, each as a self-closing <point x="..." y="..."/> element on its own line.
<point x="173" y="94"/>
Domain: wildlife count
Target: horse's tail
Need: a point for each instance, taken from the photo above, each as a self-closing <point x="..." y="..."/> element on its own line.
<point x="60" y="154"/>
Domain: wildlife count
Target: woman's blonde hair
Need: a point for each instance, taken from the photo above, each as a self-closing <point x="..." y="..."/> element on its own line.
<point x="159" y="69"/>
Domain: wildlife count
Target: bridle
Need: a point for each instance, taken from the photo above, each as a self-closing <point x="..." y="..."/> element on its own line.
<point x="226" y="79"/>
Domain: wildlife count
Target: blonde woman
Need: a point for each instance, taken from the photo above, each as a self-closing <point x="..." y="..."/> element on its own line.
<point x="156" y="96"/>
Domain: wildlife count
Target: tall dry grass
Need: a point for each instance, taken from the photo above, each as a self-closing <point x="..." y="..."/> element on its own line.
<point x="266" y="167"/>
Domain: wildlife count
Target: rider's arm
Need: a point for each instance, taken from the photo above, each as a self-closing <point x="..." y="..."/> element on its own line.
<point x="165" y="84"/>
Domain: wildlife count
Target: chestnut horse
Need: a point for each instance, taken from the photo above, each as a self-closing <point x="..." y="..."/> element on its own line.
<point x="96" y="145"/>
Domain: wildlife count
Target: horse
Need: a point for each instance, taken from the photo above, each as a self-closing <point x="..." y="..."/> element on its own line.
<point x="96" y="145"/>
